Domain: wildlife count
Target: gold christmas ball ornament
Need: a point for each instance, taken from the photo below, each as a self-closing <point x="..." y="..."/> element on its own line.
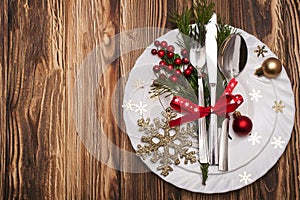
<point x="270" y="68"/>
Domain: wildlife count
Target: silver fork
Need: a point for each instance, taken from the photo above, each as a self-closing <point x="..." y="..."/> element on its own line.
<point x="198" y="60"/>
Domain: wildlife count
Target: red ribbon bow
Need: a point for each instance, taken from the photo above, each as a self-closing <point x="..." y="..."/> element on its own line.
<point x="227" y="103"/>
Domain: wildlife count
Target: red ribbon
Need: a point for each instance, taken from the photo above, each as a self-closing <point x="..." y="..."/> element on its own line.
<point x="227" y="103"/>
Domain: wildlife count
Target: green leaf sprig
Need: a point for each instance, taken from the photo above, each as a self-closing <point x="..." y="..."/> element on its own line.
<point x="182" y="22"/>
<point x="203" y="13"/>
<point x="200" y="14"/>
<point x="204" y="171"/>
<point x="224" y="30"/>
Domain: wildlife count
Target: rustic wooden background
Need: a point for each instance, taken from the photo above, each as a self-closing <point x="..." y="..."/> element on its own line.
<point x="42" y="42"/>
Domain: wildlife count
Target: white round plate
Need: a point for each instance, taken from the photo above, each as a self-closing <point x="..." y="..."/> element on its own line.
<point x="250" y="157"/>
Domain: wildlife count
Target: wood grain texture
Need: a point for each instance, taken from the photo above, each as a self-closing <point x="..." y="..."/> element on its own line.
<point x="43" y="46"/>
<point x="90" y="23"/>
<point x="3" y="92"/>
<point x="35" y="108"/>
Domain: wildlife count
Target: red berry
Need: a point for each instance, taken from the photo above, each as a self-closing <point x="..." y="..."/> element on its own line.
<point x="171" y="48"/>
<point x="173" y="78"/>
<point x="156" y="68"/>
<point x="185" y="53"/>
<point x="178" y="72"/>
<point x="163" y="44"/>
<point x="154" y="51"/>
<point x="177" y="61"/>
<point x="170" y="54"/>
<point x="190" y="67"/>
<point x="161" y="53"/>
<point x="156" y="43"/>
<point x="162" y="76"/>
<point x="185" y="61"/>
<point x="162" y="64"/>
<point x="187" y="72"/>
<point x="155" y="82"/>
<point x="170" y="68"/>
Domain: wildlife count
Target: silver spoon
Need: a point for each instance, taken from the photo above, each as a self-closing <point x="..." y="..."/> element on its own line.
<point x="232" y="59"/>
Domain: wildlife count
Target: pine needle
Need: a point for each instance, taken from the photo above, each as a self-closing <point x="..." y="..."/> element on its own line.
<point x="224" y="31"/>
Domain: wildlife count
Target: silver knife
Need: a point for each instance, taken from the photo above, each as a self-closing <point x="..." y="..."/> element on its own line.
<point x="211" y="58"/>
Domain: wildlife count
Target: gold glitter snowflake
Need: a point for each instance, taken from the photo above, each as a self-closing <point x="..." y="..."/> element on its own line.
<point x="165" y="144"/>
<point x="261" y="51"/>
<point x="278" y="106"/>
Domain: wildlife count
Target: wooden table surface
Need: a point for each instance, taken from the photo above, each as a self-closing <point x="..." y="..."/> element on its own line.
<point x="43" y="43"/>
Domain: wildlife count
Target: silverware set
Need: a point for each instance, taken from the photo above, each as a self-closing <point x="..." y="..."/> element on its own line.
<point x="231" y="59"/>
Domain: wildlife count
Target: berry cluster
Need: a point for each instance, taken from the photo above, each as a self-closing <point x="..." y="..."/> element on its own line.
<point x="171" y="66"/>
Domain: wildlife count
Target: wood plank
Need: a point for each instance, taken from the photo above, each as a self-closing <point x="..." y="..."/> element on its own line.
<point x="135" y="14"/>
<point x="35" y="95"/>
<point x="288" y="49"/>
<point x="88" y="25"/>
<point x="3" y="94"/>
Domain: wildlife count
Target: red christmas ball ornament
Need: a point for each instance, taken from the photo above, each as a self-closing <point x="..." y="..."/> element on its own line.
<point x="156" y="68"/>
<point x="187" y="72"/>
<point x="161" y="53"/>
<point x="178" y="72"/>
<point x="170" y="68"/>
<point x="170" y="54"/>
<point x="185" y="61"/>
<point x="242" y="125"/>
<point x="173" y="78"/>
<point x="185" y="53"/>
<point x="156" y="43"/>
<point x="163" y="44"/>
<point x="177" y="61"/>
<point x="154" y="51"/>
<point x="171" y="48"/>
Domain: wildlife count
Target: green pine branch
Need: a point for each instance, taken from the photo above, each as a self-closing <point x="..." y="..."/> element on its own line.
<point x="166" y="87"/>
<point x="182" y="22"/>
<point x="203" y="13"/>
<point x="204" y="171"/>
<point x="200" y="14"/>
<point x="224" y="31"/>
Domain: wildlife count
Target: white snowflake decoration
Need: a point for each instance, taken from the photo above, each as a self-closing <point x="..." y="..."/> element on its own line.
<point x="255" y="95"/>
<point x="128" y="105"/>
<point x="255" y="138"/>
<point x="277" y="142"/>
<point x="140" y="108"/>
<point x="245" y="178"/>
<point x="139" y="84"/>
